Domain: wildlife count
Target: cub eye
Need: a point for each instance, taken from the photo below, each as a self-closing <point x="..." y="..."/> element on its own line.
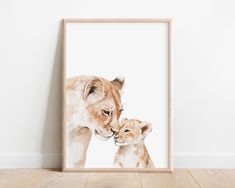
<point x="106" y="112"/>
<point x="126" y="130"/>
<point x="120" y="111"/>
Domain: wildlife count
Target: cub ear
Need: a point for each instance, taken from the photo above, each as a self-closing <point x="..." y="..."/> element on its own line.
<point x="94" y="91"/>
<point x="146" y="127"/>
<point x="118" y="82"/>
<point x="123" y="121"/>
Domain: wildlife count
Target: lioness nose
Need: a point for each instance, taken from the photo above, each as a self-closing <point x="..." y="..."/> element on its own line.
<point x="115" y="124"/>
<point x="114" y="130"/>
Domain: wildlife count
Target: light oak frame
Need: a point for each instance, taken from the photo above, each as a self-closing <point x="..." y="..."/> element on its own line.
<point x="167" y="21"/>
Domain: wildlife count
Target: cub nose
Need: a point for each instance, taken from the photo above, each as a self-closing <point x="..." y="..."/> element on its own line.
<point x="115" y="136"/>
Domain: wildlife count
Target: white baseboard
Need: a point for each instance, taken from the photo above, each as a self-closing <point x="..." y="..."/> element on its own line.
<point x="204" y="160"/>
<point x="30" y="160"/>
<point x="181" y="160"/>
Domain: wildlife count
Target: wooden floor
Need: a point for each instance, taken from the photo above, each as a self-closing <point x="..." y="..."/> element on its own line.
<point x="181" y="178"/>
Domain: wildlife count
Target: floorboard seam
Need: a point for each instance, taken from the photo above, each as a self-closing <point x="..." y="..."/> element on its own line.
<point x="194" y="178"/>
<point x="141" y="183"/>
<point x="35" y="178"/>
<point x="86" y="181"/>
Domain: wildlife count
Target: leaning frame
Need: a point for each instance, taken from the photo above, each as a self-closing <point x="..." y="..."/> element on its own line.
<point x="168" y="21"/>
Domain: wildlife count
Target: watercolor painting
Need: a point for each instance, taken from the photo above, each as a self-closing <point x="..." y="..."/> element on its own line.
<point x="116" y="96"/>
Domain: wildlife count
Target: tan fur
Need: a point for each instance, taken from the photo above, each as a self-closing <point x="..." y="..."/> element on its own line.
<point x="132" y="152"/>
<point x="86" y="99"/>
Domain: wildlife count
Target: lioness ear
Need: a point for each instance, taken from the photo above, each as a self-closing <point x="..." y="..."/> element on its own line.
<point x="94" y="91"/>
<point x="145" y="127"/>
<point x="118" y="82"/>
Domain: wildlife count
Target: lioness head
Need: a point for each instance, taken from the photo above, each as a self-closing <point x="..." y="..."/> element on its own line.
<point x="103" y="102"/>
<point x="132" y="131"/>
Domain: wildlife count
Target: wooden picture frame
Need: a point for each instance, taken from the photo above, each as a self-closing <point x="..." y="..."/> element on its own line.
<point x="167" y="21"/>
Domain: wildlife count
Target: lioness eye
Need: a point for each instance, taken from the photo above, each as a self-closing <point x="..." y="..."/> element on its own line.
<point x="126" y="130"/>
<point x="120" y="111"/>
<point x="106" y="112"/>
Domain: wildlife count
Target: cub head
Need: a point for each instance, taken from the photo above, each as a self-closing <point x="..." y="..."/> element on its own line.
<point x="132" y="131"/>
<point x="103" y="101"/>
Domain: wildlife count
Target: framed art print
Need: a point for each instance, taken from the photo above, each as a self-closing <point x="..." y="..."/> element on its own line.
<point x="117" y="95"/>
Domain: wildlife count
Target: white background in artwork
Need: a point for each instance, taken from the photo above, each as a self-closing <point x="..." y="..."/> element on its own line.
<point x="139" y="53"/>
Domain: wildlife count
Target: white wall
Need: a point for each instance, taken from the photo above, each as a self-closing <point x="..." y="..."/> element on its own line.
<point x="204" y="79"/>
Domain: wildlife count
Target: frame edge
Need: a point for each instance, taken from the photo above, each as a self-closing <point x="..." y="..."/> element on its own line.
<point x="169" y="169"/>
<point x="63" y="91"/>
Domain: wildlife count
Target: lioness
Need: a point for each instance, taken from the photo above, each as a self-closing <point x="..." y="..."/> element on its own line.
<point x="93" y="105"/>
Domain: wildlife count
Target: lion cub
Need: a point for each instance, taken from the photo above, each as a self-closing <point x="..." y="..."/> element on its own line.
<point x="132" y="152"/>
